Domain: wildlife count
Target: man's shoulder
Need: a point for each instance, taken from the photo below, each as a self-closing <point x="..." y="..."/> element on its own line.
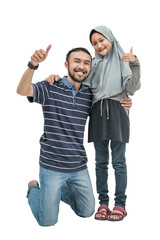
<point x="58" y="83"/>
<point x="57" y="86"/>
<point x="87" y="89"/>
<point x="41" y="83"/>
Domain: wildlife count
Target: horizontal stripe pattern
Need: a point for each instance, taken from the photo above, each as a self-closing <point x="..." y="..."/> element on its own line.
<point x="64" y="122"/>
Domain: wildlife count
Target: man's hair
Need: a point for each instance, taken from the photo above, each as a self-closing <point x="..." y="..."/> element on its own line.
<point x="77" y="50"/>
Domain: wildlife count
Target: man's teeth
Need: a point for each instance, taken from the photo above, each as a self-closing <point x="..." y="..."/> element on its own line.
<point x="80" y="73"/>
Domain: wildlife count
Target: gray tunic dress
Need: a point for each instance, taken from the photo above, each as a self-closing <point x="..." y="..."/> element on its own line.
<point x="108" y="119"/>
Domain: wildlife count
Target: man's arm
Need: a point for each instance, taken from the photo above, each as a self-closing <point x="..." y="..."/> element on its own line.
<point x="24" y="87"/>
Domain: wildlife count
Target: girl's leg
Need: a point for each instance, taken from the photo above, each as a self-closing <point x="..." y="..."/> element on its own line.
<point x="119" y="165"/>
<point x="102" y="160"/>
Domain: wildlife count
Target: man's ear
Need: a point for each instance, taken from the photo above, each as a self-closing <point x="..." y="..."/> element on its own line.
<point x="66" y="65"/>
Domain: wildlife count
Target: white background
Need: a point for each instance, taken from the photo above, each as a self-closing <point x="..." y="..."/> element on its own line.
<point x="34" y="24"/>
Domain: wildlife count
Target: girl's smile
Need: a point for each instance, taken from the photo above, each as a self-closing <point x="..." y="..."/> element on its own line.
<point x="101" y="44"/>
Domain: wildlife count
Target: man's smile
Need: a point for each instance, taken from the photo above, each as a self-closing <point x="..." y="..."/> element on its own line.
<point x="80" y="71"/>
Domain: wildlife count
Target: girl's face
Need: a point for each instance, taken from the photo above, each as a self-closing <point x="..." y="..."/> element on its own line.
<point x="100" y="43"/>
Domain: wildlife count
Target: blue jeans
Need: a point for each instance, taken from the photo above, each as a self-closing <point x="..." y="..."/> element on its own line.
<point x="74" y="189"/>
<point x="119" y="165"/>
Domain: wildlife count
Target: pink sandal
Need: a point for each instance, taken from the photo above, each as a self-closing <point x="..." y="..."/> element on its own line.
<point x="120" y="216"/>
<point x="103" y="213"/>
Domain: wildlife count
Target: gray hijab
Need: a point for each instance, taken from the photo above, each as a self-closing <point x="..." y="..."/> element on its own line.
<point x="109" y="74"/>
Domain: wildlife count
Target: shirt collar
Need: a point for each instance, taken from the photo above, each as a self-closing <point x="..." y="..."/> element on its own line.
<point x="70" y="84"/>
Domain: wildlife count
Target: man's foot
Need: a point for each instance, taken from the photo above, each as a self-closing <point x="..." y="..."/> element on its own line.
<point x="33" y="182"/>
<point x="102" y="213"/>
<point x="118" y="214"/>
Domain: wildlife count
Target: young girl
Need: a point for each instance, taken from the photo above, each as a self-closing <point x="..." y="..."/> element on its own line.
<point x="111" y="77"/>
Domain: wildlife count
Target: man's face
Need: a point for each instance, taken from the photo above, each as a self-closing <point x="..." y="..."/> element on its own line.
<point x="79" y="66"/>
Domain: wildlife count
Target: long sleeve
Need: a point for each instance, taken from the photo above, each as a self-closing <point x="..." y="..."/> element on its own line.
<point x="134" y="84"/>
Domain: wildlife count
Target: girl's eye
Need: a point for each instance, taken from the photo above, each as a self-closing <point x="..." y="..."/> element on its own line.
<point x="94" y="44"/>
<point x="101" y="40"/>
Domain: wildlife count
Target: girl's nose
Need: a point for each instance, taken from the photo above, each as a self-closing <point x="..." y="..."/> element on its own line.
<point x="99" y="45"/>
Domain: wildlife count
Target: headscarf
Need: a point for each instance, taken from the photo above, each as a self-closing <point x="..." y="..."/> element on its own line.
<point x="109" y="74"/>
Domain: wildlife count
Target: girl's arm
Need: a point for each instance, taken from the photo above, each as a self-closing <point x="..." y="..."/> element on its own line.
<point x="134" y="84"/>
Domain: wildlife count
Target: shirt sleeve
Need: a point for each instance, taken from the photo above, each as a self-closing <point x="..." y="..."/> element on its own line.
<point x="40" y="93"/>
<point x="134" y="84"/>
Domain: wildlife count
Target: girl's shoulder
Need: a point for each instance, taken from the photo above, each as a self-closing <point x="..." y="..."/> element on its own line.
<point x="93" y="61"/>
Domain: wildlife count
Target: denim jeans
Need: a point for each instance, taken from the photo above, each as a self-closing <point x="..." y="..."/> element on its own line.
<point x="119" y="165"/>
<point x="74" y="189"/>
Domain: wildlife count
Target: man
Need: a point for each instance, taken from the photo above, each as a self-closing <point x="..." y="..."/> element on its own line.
<point x="63" y="170"/>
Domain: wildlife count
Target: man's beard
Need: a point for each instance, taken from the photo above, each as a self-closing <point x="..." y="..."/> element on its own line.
<point x="74" y="78"/>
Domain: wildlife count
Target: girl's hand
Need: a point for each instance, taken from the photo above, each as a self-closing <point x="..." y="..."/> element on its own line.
<point x="129" y="57"/>
<point x="51" y="79"/>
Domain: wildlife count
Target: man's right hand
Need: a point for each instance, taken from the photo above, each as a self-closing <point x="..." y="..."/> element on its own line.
<point x="39" y="56"/>
<point x="52" y="78"/>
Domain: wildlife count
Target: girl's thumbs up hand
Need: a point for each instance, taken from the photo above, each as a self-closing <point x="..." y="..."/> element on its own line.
<point x="129" y="57"/>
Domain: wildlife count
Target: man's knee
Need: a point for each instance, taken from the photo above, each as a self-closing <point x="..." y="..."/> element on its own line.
<point x="46" y="222"/>
<point x="88" y="211"/>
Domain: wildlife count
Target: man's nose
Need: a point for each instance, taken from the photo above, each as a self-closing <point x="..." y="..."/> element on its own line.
<point x="81" y="65"/>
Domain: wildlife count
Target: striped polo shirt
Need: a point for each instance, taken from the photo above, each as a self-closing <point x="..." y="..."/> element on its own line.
<point x="65" y="113"/>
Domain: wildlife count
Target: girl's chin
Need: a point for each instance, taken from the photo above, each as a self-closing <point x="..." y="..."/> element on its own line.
<point x="103" y="53"/>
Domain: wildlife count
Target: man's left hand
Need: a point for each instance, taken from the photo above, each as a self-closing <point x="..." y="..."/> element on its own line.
<point x="126" y="102"/>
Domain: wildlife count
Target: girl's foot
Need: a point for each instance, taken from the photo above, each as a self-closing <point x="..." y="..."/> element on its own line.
<point x="102" y="213"/>
<point x="118" y="214"/>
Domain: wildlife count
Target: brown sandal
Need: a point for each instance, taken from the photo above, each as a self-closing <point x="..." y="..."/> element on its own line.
<point x="104" y="213"/>
<point x="120" y="215"/>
